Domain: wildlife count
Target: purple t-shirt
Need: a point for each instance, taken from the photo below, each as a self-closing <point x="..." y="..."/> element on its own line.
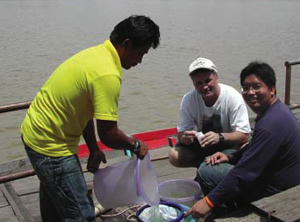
<point x="269" y="164"/>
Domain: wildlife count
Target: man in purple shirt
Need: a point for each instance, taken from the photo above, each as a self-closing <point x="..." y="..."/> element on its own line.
<point x="269" y="164"/>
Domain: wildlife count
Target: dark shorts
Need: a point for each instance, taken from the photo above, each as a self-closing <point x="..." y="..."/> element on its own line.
<point x="201" y="152"/>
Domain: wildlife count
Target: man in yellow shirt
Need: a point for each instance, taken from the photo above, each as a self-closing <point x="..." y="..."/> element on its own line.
<point x="83" y="88"/>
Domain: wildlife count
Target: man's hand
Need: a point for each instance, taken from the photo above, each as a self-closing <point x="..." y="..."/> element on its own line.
<point x="143" y="151"/>
<point x="217" y="158"/>
<point x="188" y="137"/>
<point x="210" y="138"/>
<point x="95" y="158"/>
<point x="199" y="210"/>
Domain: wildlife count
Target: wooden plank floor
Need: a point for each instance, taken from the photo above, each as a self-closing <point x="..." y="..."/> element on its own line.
<point x="284" y="206"/>
<point x="281" y="207"/>
<point x="6" y="211"/>
<point x="27" y="188"/>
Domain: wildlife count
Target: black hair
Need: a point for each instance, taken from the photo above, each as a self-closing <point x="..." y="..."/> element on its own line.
<point x="262" y="70"/>
<point x="139" y="29"/>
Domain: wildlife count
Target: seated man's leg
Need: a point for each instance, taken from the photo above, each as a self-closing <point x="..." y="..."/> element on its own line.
<point x="187" y="155"/>
<point x="209" y="176"/>
<point x="193" y="155"/>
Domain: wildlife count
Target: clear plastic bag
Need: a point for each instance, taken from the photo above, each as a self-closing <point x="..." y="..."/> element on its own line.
<point x="132" y="181"/>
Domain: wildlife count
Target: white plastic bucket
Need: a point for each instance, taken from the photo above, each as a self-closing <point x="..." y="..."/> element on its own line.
<point x="129" y="182"/>
<point x="182" y="191"/>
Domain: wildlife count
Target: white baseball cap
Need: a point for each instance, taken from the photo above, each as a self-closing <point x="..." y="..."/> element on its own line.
<point x="202" y="63"/>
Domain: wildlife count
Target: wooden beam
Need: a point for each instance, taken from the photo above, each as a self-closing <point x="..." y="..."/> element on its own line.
<point x="283" y="206"/>
<point x="15" y="202"/>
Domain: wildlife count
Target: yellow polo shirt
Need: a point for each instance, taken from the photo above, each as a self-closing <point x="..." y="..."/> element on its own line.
<point x="85" y="86"/>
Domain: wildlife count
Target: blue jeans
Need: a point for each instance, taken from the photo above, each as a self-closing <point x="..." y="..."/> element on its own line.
<point x="63" y="190"/>
<point x="209" y="176"/>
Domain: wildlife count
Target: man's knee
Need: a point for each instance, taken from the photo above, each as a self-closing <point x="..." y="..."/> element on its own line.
<point x="179" y="158"/>
<point x="204" y="171"/>
<point x="184" y="157"/>
<point x="213" y="173"/>
<point x="173" y="157"/>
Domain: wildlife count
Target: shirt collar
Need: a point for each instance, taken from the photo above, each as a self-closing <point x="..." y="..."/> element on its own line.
<point x="110" y="47"/>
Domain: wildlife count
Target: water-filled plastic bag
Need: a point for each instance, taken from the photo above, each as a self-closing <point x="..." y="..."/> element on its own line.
<point x="132" y="181"/>
<point x="160" y="213"/>
<point x="164" y="212"/>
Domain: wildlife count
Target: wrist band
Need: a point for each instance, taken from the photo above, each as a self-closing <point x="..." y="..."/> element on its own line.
<point x="209" y="203"/>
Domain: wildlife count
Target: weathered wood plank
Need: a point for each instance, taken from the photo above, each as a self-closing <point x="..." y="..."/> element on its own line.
<point x="32" y="204"/>
<point x="165" y="171"/>
<point x="16" y="204"/>
<point x="7" y="215"/>
<point x="241" y="215"/>
<point x="15" y="166"/>
<point x="3" y="201"/>
<point x="178" y="175"/>
<point x="284" y="206"/>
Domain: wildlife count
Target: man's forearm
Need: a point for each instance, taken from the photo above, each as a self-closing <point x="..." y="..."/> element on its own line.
<point x="90" y="136"/>
<point x="112" y="136"/>
<point x="119" y="140"/>
<point x="236" y="137"/>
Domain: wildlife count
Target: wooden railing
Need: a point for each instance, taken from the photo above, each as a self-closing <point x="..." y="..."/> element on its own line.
<point x="14" y="106"/>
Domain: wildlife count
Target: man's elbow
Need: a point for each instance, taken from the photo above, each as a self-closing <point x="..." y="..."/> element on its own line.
<point x="244" y="138"/>
<point x="106" y="140"/>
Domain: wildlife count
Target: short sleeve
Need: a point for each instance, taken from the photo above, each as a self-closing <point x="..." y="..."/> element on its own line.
<point x="186" y="121"/>
<point x="105" y="92"/>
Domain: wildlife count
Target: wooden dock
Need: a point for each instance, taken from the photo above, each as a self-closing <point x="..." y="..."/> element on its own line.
<point x="19" y="199"/>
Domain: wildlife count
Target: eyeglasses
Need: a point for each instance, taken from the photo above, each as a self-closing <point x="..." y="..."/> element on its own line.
<point x="254" y="88"/>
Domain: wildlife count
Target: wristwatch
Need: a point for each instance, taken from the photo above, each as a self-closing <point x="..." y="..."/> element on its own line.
<point x="221" y="138"/>
<point x="136" y="147"/>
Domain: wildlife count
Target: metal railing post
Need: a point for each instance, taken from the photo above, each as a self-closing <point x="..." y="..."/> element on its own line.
<point x="287" y="96"/>
<point x="288" y="77"/>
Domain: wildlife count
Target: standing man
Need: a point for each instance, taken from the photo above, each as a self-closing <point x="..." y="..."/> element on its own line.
<point x="84" y="87"/>
<point x="217" y="110"/>
<point x="269" y="164"/>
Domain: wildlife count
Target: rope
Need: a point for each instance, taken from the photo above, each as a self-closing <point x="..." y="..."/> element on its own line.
<point x="123" y="211"/>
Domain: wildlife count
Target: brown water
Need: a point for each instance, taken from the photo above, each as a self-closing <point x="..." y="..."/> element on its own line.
<point x="37" y="35"/>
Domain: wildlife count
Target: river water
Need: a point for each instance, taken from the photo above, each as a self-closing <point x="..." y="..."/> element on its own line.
<point x="37" y="35"/>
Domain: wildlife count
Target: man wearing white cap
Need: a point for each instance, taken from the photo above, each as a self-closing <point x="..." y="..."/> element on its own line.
<point x="213" y="117"/>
